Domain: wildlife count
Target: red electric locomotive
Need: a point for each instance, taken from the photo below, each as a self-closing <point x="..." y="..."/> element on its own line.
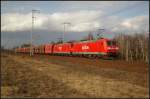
<point x="101" y="47"/>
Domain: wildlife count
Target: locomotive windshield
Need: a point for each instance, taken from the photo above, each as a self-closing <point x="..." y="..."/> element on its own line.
<point x="111" y="43"/>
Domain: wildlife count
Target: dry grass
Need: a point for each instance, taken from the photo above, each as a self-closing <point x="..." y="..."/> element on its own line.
<point x="18" y="80"/>
<point x="45" y="76"/>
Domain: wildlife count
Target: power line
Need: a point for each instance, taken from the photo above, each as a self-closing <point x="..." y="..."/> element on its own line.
<point x="117" y="12"/>
<point x="118" y="23"/>
<point x="120" y="11"/>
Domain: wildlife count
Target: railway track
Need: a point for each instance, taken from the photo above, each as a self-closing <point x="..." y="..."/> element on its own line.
<point x="136" y="66"/>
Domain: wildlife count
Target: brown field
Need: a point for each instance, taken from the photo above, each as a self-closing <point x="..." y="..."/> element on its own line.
<point x="62" y="76"/>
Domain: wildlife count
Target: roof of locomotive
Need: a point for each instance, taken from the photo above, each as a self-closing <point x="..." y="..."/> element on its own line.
<point x="101" y="39"/>
<point x="104" y="39"/>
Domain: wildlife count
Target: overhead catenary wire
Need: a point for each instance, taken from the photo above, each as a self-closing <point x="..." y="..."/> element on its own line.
<point x="117" y="12"/>
<point x="122" y="10"/>
<point x="119" y="23"/>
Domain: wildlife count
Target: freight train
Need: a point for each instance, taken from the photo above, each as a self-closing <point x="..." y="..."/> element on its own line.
<point x="92" y="48"/>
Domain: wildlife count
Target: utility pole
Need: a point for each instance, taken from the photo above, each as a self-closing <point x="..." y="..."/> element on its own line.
<point x="65" y="23"/>
<point x="31" y="38"/>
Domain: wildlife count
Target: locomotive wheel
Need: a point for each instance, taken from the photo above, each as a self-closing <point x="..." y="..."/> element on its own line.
<point x="81" y="55"/>
<point x="85" y="55"/>
<point x="94" y="56"/>
<point x="91" y="56"/>
<point x="98" y="56"/>
<point x="105" y="57"/>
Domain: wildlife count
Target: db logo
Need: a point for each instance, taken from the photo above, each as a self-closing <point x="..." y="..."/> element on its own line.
<point x="60" y="48"/>
<point x="85" y="47"/>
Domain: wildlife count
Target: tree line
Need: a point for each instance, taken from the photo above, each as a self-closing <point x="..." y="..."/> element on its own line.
<point x="133" y="47"/>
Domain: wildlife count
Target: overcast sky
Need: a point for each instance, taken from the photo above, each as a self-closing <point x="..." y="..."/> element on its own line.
<point x="84" y="16"/>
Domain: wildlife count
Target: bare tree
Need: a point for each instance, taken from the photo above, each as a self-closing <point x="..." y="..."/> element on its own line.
<point x="133" y="47"/>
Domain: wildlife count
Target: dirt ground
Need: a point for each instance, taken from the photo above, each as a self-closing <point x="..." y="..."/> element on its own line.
<point x="62" y="76"/>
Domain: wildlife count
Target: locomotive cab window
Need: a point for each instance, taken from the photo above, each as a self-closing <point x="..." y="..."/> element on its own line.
<point x="111" y="43"/>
